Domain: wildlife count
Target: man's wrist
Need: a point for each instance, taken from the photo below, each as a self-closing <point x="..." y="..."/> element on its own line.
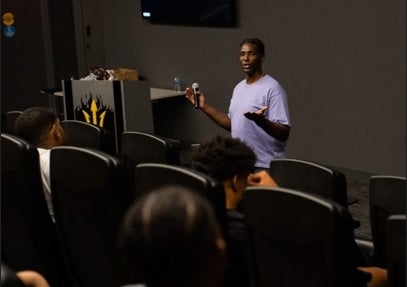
<point x="261" y="121"/>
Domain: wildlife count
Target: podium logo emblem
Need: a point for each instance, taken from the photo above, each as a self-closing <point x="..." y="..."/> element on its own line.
<point x="94" y="111"/>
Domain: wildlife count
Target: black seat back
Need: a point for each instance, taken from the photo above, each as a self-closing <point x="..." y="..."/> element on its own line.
<point x="297" y="239"/>
<point x="152" y="175"/>
<point x="310" y="177"/>
<point x="90" y="197"/>
<point x="140" y="147"/>
<point x="29" y="240"/>
<point x="395" y="249"/>
<point x="83" y="134"/>
<point x="387" y="196"/>
<point x="9" y="278"/>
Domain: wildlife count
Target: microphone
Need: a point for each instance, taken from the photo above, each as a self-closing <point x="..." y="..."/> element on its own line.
<point x="195" y="89"/>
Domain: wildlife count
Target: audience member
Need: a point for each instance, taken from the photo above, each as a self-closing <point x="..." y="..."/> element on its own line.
<point x="171" y="237"/>
<point x="231" y="161"/>
<point x="42" y="128"/>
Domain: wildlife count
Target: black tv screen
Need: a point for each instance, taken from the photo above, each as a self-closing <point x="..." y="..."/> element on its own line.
<point x="193" y="12"/>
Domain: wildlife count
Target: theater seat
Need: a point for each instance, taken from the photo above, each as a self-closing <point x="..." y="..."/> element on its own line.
<point x="90" y="196"/>
<point x="29" y="240"/>
<point x="9" y="278"/>
<point x="152" y="175"/>
<point x="298" y="239"/>
<point x="395" y="250"/>
<point x="83" y="134"/>
<point x="140" y="147"/>
<point x="310" y="177"/>
<point x="387" y="196"/>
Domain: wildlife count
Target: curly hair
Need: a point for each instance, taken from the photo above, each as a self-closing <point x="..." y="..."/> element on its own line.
<point x="223" y="157"/>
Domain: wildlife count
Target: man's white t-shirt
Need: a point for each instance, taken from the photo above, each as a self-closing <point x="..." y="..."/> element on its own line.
<point x="44" y="155"/>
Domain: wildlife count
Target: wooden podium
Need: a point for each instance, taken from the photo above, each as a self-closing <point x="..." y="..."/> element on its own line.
<point x="115" y="105"/>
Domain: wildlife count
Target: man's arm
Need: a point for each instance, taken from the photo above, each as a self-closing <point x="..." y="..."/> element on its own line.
<point x="276" y="130"/>
<point x="221" y="119"/>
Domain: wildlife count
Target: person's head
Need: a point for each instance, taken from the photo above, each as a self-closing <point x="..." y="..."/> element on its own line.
<point x="40" y="126"/>
<point x="171" y="237"/>
<point x="228" y="160"/>
<point x="252" y="54"/>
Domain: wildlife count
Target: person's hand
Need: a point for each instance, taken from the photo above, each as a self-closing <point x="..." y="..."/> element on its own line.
<point x="257" y="115"/>
<point x="261" y="178"/>
<point x="189" y="94"/>
<point x="32" y="279"/>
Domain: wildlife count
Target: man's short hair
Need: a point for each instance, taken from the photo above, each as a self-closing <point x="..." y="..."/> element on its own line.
<point x="167" y="236"/>
<point x="223" y="157"/>
<point x="34" y="124"/>
<point x="257" y="42"/>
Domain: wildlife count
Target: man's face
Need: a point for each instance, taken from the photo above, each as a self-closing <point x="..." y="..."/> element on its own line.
<point x="250" y="59"/>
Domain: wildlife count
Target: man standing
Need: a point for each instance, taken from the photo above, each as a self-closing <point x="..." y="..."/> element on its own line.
<point x="258" y="112"/>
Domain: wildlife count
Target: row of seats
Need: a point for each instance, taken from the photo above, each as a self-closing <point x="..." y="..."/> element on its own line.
<point x="387" y="205"/>
<point x="300" y="239"/>
<point x="289" y="173"/>
<point x="83" y="134"/>
<point x="90" y="193"/>
<point x="140" y="147"/>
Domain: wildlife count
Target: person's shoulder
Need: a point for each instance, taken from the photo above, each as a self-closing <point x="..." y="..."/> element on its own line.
<point x="271" y="80"/>
<point x="240" y="83"/>
<point x="274" y="87"/>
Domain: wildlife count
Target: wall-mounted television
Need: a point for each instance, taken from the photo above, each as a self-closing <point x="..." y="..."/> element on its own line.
<point x="190" y="12"/>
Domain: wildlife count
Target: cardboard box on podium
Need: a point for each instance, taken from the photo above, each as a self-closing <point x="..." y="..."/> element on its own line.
<point x="115" y="105"/>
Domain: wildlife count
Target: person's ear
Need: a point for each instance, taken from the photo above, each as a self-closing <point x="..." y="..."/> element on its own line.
<point x="57" y="132"/>
<point x="235" y="183"/>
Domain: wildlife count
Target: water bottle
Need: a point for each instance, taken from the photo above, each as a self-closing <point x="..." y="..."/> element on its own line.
<point x="177" y="84"/>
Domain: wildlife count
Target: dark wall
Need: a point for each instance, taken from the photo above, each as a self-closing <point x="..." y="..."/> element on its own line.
<point x="41" y="53"/>
<point x="65" y="63"/>
<point x="23" y="63"/>
<point x="341" y="62"/>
